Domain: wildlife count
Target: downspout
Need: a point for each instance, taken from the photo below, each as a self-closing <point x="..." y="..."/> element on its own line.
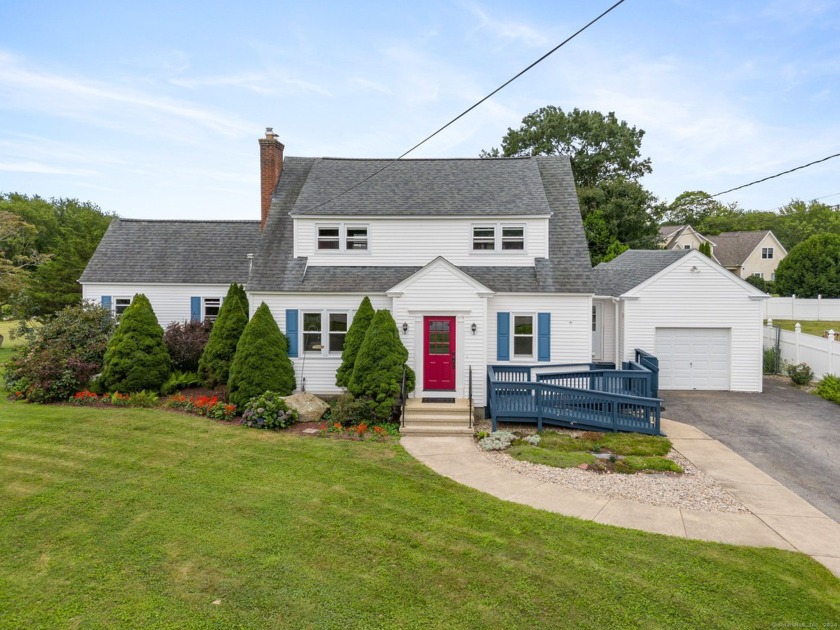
<point x="617" y="353"/>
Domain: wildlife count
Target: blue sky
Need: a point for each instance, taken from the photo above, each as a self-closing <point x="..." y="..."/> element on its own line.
<point x="154" y="109"/>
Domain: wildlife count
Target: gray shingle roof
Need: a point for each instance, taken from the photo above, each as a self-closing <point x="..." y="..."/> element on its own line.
<point x="518" y="186"/>
<point x="201" y="252"/>
<point x="733" y="248"/>
<point x="633" y="267"/>
<point x="452" y="187"/>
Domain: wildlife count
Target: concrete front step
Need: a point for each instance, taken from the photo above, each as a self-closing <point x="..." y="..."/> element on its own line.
<point x="438" y="417"/>
<point x="431" y="430"/>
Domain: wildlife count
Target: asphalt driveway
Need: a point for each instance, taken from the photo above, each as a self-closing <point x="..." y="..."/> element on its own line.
<point x="791" y="435"/>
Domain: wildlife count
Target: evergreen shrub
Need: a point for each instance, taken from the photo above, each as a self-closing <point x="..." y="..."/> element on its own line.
<point x="829" y="388"/>
<point x="60" y="357"/>
<point x="261" y="362"/>
<point x="185" y="343"/>
<point x="378" y="370"/>
<point x="353" y="341"/>
<point x="214" y="365"/>
<point x="136" y="357"/>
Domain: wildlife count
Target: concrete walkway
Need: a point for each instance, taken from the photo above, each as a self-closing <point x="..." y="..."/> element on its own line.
<point x="777" y="518"/>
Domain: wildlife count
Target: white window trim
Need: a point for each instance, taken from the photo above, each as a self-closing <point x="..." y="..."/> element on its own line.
<point x="342" y="239"/>
<point x="769" y="251"/>
<point x="498" y="238"/>
<point x="325" y="331"/>
<point x="534" y="333"/>
<point x="204" y="306"/>
<point x="114" y="303"/>
<point x="758" y="274"/>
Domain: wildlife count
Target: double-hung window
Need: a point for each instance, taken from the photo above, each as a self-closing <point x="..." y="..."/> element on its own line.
<point x="767" y="252"/>
<point x="513" y="237"/>
<point x="317" y="338"/>
<point x="120" y="304"/>
<point x="211" y="309"/>
<point x="484" y="237"/>
<point x="342" y="237"/>
<point x="523" y="336"/>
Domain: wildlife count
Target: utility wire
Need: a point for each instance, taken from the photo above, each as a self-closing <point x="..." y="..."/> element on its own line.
<point x="469" y="109"/>
<point x="764" y="179"/>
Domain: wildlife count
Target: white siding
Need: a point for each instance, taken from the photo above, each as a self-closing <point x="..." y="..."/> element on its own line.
<point x="171" y="302"/>
<point x="318" y="370"/>
<point x="571" y="323"/>
<point x="704" y="299"/>
<point x="415" y="242"/>
<point x="441" y="291"/>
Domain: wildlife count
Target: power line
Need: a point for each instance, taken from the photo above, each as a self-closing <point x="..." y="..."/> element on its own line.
<point x="471" y="107"/>
<point x="764" y="179"/>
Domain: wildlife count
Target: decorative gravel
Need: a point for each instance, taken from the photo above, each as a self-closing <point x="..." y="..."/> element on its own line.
<point x="692" y="490"/>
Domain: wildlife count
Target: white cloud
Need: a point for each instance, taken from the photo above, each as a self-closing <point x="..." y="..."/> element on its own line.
<point x="257" y="82"/>
<point x="506" y="28"/>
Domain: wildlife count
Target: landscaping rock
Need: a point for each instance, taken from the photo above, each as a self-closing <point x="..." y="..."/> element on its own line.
<point x="310" y="408"/>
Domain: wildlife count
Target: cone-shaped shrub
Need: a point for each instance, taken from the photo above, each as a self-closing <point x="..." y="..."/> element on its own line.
<point x="136" y="357"/>
<point x="379" y="365"/>
<point x="353" y="341"/>
<point x="261" y="362"/>
<point x="214" y="365"/>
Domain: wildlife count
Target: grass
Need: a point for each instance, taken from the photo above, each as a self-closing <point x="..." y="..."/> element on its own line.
<point x="549" y="457"/>
<point x="633" y="464"/>
<point x="6" y="328"/>
<point x="141" y="518"/>
<point x="811" y="328"/>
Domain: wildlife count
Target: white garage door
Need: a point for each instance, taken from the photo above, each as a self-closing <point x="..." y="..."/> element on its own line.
<point x="693" y="358"/>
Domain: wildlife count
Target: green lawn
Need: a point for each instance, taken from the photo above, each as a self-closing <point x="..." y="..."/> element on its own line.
<point x="5" y="328"/>
<point x="812" y="328"/>
<point x="142" y="518"/>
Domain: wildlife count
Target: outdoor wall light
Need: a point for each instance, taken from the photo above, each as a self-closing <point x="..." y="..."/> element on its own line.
<point x="405" y="328"/>
<point x="694" y="269"/>
<point x="473" y="328"/>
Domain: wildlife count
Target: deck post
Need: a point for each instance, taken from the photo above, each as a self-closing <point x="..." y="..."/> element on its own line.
<point x="538" y="399"/>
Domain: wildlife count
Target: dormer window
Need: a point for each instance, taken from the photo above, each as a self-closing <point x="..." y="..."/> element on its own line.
<point x="341" y="237"/>
<point x="329" y="237"/>
<point x="498" y="237"/>
<point x="484" y="237"/>
<point x="513" y="237"/>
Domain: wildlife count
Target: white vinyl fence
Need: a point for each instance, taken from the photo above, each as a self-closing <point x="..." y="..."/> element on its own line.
<point x="821" y="354"/>
<point x="795" y="308"/>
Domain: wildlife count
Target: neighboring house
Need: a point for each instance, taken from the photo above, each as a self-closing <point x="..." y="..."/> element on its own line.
<point x="183" y="267"/>
<point x="480" y="261"/>
<point x="681" y="237"/>
<point x="749" y="253"/>
<point x="703" y="323"/>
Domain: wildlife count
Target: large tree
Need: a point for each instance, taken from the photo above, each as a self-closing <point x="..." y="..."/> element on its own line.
<point x="66" y="233"/>
<point x="811" y="268"/>
<point x="607" y="163"/>
<point x="600" y="146"/>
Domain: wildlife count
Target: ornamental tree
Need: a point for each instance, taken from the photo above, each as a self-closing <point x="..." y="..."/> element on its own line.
<point x="136" y="357"/>
<point x="811" y="268"/>
<point x="261" y="362"/>
<point x="353" y="341"/>
<point x="214" y="365"/>
<point x="379" y="366"/>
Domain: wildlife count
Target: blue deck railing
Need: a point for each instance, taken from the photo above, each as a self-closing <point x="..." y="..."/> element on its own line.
<point x="580" y="396"/>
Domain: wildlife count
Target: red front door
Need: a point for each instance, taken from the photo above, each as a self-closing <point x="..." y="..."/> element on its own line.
<point x="439" y="353"/>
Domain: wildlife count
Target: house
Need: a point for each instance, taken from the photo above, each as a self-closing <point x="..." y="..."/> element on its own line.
<point x="183" y="267"/>
<point x="746" y="254"/>
<point x="680" y="237"/>
<point x="701" y="322"/>
<point x="480" y="261"/>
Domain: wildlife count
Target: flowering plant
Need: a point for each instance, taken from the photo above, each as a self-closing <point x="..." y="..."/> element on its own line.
<point x="84" y="397"/>
<point x="117" y="399"/>
<point x="268" y="411"/>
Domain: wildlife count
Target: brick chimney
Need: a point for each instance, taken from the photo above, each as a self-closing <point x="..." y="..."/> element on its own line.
<point x="271" y="165"/>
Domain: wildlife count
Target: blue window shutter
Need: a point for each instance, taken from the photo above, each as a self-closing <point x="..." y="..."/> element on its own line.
<point x="503" y="336"/>
<point x="292" y="330"/>
<point x="106" y="302"/>
<point x="195" y="309"/>
<point x="544" y="336"/>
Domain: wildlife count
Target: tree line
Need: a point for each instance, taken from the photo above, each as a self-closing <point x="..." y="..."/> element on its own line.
<point x="45" y="245"/>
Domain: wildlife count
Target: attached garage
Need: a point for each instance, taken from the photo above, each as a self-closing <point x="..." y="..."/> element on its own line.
<point x="701" y="321"/>
<point x="693" y="358"/>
